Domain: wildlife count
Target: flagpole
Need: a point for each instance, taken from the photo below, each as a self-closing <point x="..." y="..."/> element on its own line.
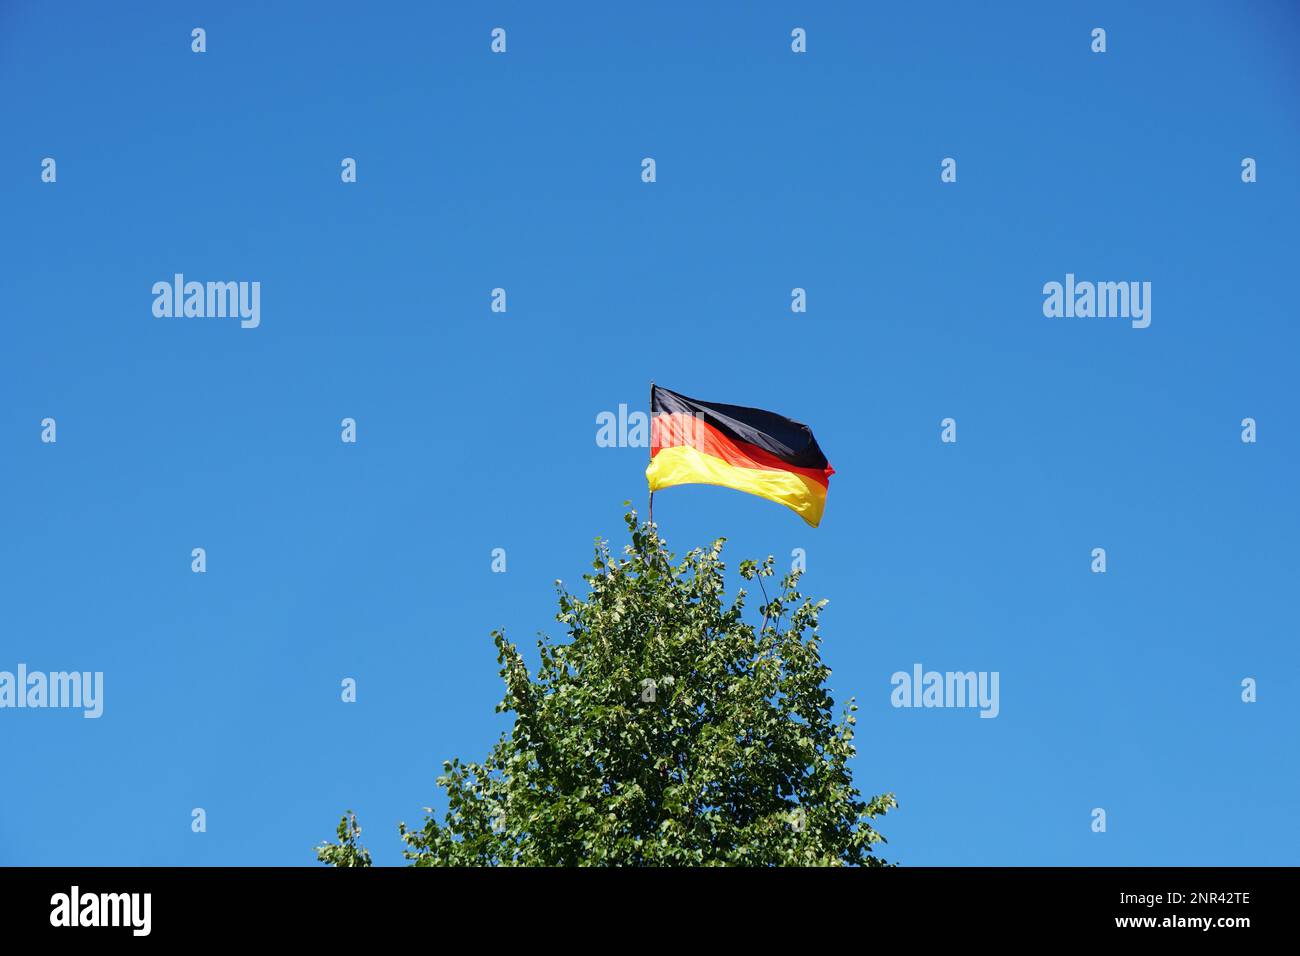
<point x="652" y="430"/>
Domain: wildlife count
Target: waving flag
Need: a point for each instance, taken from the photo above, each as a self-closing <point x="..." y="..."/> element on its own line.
<point x="763" y="453"/>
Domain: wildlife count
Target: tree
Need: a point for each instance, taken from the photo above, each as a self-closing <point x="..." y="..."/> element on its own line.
<point x="667" y="730"/>
<point x="348" y="851"/>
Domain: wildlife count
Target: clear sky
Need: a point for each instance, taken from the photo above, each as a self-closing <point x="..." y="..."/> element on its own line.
<point x="476" y="430"/>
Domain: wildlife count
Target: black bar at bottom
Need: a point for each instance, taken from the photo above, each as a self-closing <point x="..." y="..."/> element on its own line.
<point x="322" y="906"/>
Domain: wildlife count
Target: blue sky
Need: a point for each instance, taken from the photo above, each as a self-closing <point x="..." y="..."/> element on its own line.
<point x="476" y="430"/>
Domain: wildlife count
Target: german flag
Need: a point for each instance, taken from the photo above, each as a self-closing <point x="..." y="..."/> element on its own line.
<point x="763" y="453"/>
